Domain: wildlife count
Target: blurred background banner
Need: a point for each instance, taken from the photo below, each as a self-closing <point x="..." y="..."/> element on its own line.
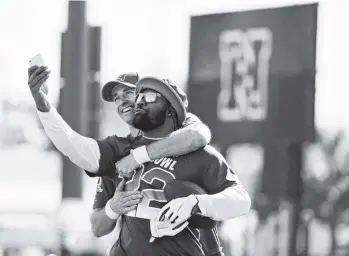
<point x="252" y="80"/>
<point x="252" y="74"/>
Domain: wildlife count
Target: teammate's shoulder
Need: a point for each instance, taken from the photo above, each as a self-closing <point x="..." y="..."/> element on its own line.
<point x="120" y="145"/>
<point x="211" y="156"/>
<point x="115" y="139"/>
<point x="207" y="152"/>
<point x="206" y="156"/>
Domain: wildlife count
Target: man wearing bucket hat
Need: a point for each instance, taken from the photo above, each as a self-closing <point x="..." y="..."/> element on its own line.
<point x="120" y="91"/>
<point x="158" y="111"/>
<point x="101" y="223"/>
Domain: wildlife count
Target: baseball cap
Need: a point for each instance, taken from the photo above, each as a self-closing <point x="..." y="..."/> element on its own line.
<point x="172" y="93"/>
<point x="127" y="79"/>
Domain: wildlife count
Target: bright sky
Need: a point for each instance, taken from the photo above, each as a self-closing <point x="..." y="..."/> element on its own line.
<point x="152" y="36"/>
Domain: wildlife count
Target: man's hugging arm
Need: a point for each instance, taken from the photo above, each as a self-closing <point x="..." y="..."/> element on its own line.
<point x="180" y="142"/>
<point x="193" y="135"/>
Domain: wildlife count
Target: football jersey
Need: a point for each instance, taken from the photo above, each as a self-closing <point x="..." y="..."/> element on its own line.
<point x="113" y="149"/>
<point x="208" y="238"/>
<point x="205" y="167"/>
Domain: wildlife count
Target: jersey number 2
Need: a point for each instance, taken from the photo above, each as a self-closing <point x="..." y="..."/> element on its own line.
<point x="155" y="175"/>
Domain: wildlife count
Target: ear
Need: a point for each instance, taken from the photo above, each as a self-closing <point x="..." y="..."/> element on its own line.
<point x="169" y="111"/>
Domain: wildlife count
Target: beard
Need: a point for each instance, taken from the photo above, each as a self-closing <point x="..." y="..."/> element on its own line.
<point x="149" y="120"/>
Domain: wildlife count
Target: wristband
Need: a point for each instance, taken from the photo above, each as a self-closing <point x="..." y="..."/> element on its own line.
<point x="109" y="212"/>
<point x="196" y="208"/>
<point x="203" y="202"/>
<point x="152" y="231"/>
<point x="141" y="155"/>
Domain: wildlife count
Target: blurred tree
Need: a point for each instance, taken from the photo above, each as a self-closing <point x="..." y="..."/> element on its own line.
<point x="328" y="197"/>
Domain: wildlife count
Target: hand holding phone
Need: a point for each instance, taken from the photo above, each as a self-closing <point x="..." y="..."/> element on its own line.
<point x="37" y="60"/>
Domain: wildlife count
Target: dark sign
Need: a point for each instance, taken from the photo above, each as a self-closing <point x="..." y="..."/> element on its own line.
<point x="252" y="74"/>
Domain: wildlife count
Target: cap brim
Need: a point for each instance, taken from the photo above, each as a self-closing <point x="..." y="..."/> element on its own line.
<point x="109" y="87"/>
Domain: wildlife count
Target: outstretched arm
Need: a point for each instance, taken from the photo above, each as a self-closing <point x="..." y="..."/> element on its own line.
<point x="82" y="151"/>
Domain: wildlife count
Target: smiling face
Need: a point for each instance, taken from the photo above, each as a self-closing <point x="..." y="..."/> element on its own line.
<point x="124" y="99"/>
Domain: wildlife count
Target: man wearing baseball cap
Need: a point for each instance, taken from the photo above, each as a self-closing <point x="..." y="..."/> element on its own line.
<point x="106" y="188"/>
<point x="158" y="111"/>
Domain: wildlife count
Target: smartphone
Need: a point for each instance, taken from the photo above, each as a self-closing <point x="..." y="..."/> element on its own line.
<point x="36" y="61"/>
